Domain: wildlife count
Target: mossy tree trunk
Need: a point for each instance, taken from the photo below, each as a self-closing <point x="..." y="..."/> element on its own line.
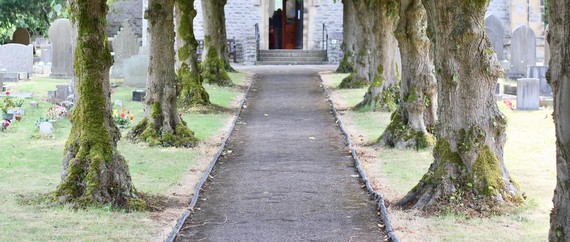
<point x="559" y="78"/>
<point x="162" y="124"/>
<point x="193" y="92"/>
<point x="417" y="108"/>
<point x="468" y="171"/>
<point x="360" y="51"/>
<point x="346" y="65"/>
<point x="94" y="172"/>
<point x="215" y="60"/>
<point x="383" y="87"/>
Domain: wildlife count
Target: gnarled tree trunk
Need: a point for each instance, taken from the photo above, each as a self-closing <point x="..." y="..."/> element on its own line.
<point x="559" y="78"/>
<point x="162" y="124"/>
<point x="215" y="60"/>
<point x="349" y="24"/>
<point x="94" y="172"/>
<point x="381" y="18"/>
<point x="193" y="93"/>
<point x="468" y="171"/>
<point x="417" y="108"/>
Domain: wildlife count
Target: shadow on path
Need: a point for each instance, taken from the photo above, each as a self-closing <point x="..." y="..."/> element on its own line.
<point x="288" y="176"/>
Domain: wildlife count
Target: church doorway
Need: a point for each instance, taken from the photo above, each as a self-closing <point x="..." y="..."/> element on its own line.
<point x="286" y="24"/>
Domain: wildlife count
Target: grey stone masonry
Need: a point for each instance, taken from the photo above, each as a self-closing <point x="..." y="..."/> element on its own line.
<point x="528" y="94"/>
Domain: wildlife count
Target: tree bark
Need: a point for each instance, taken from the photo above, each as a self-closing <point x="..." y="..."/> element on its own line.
<point x="559" y="78"/>
<point x="417" y="108"/>
<point x="468" y="171"/>
<point x="193" y="92"/>
<point x="216" y="61"/>
<point x="94" y="172"/>
<point x="378" y="54"/>
<point x="162" y="124"/>
<point x="346" y="65"/>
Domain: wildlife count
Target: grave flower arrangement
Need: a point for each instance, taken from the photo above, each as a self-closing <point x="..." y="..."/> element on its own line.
<point x="56" y="112"/>
<point x="5" y="124"/>
<point x="124" y="118"/>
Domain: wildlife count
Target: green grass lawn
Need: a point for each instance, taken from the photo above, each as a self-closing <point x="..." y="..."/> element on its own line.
<point x="32" y="165"/>
<point x="529" y="157"/>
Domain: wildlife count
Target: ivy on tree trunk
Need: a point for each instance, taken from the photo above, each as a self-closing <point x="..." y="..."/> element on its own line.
<point x="468" y="171"/>
<point x="162" y="124"/>
<point x="215" y="60"/>
<point x="94" y="172"/>
<point x="559" y="78"/>
<point x="193" y="92"/>
<point x="416" y="110"/>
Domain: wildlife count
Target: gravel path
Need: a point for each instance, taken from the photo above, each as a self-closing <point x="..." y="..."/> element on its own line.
<point x="286" y="175"/>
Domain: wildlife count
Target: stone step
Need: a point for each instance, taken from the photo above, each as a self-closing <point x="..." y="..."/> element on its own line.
<point x="292" y="51"/>
<point x="292" y="58"/>
<point x="291" y="63"/>
<point x="263" y="55"/>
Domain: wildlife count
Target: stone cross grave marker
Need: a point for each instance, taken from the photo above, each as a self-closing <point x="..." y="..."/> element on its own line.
<point x="496" y="32"/>
<point x="523" y="51"/>
<point x="125" y="45"/>
<point x="60" y="36"/>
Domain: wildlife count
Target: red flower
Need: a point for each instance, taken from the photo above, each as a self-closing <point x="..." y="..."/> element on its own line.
<point x="122" y="115"/>
<point x="7" y="93"/>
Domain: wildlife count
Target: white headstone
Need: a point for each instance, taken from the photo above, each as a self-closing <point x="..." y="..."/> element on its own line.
<point x="17" y="58"/>
<point x="136" y="69"/>
<point x="60" y="36"/>
<point x="46" y="128"/>
<point x="528" y="94"/>
<point x="523" y="51"/>
<point x="125" y="45"/>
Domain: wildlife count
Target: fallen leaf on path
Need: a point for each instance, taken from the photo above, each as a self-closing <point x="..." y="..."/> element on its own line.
<point x="312" y="137"/>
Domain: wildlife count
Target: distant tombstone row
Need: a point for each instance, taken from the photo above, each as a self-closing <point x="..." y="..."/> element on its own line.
<point x="125" y="45"/>
<point x="60" y="36"/>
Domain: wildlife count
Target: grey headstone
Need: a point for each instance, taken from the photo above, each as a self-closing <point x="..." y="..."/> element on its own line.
<point x="496" y="32"/>
<point x="45" y="53"/>
<point x="136" y="70"/>
<point x="62" y="92"/>
<point x="60" y="36"/>
<point x="51" y="96"/>
<point x="118" y="103"/>
<point x="539" y="72"/>
<point x="46" y="128"/>
<point x="523" y="51"/>
<point x="21" y="36"/>
<point x="17" y="58"/>
<point x="125" y="45"/>
<point x="528" y="94"/>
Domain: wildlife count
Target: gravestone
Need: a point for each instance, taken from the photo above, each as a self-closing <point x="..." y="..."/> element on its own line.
<point x="138" y="95"/>
<point x="136" y="69"/>
<point x="539" y="72"/>
<point x="528" y="94"/>
<point x="125" y="45"/>
<point x="46" y="128"/>
<point x="60" y="36"/>
<point x="17" y="58"/>
<point x="546" y="48"/>
<point x="21" y="36"/>
<point x="496" y="32"/>
<point x="62" y="92"/>
<point x="45" y="53"/>
<point x="523" y="51"/>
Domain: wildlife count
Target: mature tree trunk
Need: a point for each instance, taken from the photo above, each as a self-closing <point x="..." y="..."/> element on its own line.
<point x="94" y="173"/>
<point x="193" y="92"/>
<point x="216" y="61"/>
<point x="417" y="108"/>
<point x="380" y="20"/>
<point x="559" y="78"/>
<point x="162" y="124"/>
<point x="349" y="24"/>
<point x="468" y="171"/>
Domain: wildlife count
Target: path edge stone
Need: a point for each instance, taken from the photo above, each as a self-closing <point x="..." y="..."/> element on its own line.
<point x="186" y="214"/>
<point x="376" y="195"/>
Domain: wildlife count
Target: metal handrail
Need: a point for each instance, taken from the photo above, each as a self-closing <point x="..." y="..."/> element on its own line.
<point x="257" y="41"/>
<point x="325" y="41"/>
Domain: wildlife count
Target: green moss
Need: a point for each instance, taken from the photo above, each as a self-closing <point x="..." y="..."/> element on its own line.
<point x="424" y="141"/>
<point x="155" y="110"/>
<point x="136" y="204"/>
<point x="213" y="69"/>
<point x="353" y="81"/>
<point x="345" y="66"/>
<point x="411" y="98"/>
<point x="487" y="170"/>
<point x="473" y="138"/>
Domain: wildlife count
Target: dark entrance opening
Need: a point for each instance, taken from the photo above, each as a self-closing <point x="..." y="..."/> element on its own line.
<point x="286" y="26"/>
